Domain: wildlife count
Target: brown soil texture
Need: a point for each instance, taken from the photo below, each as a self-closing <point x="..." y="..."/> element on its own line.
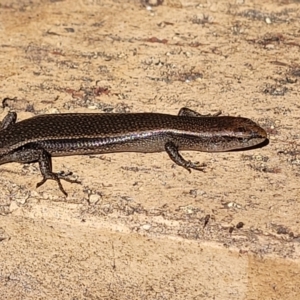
<point x="138" y="226"/>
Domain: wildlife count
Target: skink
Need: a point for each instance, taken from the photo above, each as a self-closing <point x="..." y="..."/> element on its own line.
<point x="40" y="138"/>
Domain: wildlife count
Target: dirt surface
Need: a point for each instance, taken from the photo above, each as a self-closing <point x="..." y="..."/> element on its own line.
<point x="140" y="227"/>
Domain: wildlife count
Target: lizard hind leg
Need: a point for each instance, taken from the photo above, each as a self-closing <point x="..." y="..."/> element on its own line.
<point x="45" y="164"/>
<point x="33" y="153"/>
<point x="57" y="178"/>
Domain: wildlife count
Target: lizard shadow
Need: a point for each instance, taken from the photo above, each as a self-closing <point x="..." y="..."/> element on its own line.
<point x="261" y="145"/>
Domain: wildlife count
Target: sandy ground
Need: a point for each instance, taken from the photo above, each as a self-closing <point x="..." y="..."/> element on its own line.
<point x="139" y="227"/>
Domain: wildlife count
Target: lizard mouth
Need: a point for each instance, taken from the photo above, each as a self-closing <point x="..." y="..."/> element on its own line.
<point x="251" y="143"/>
